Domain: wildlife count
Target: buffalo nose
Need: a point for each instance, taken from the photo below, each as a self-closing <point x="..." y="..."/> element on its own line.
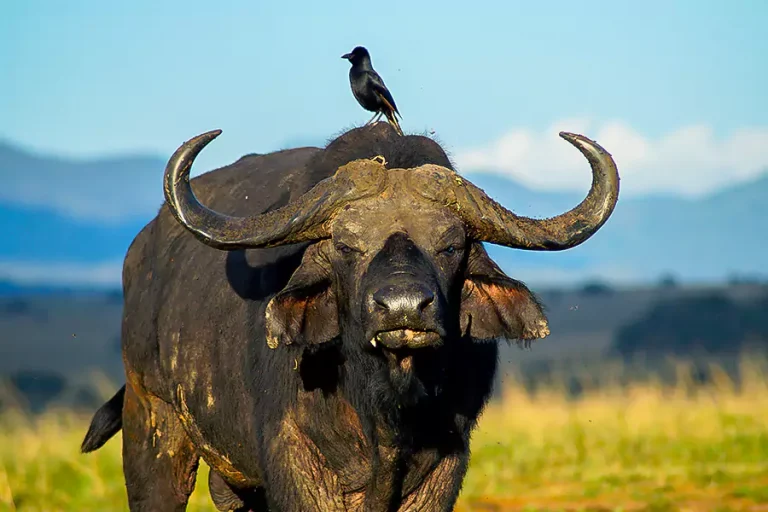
<point x="403" y="299"/>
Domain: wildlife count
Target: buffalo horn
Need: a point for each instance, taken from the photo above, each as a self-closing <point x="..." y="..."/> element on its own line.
<point x="299" y="221"/>
<point x="488" y="221"/>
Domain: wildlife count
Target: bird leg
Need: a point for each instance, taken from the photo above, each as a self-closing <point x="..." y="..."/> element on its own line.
<point x="375" y="115"/>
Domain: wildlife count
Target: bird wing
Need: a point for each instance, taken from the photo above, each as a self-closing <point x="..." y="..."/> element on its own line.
<point x="382" y="92"/>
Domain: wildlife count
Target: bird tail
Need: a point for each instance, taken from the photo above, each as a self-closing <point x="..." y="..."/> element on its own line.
<point x="392" y="118"/>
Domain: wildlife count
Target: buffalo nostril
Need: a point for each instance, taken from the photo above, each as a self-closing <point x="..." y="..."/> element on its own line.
<point x="382" y="297"/>
<point x="404" y="299"/>
<point x="427" y="297"/>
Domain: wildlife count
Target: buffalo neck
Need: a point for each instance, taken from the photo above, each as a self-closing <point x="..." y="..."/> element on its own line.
<point x="379" y="391"/>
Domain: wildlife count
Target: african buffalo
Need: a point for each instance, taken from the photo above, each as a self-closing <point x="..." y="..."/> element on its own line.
<point x="323" y="332"/>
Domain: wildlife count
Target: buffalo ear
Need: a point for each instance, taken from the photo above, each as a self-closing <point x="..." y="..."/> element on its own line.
<point x="496" y="306"/>
<point x="305" y="311"/>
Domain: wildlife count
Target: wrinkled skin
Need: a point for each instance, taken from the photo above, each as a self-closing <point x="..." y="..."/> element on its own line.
<point x="343" y="372"/>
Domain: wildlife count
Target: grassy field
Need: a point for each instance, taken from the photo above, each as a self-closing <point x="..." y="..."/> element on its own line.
<point x="639" y="447"/>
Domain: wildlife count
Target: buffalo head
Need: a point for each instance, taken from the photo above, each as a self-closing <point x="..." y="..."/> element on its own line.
<point x="396" y="262"/>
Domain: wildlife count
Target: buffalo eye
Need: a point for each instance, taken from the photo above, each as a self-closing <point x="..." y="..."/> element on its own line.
<point x="449" y="251"/>
<point x="344" y="249"/>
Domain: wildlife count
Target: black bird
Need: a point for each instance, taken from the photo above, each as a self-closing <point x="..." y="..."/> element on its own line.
<point x="369" y="89"/>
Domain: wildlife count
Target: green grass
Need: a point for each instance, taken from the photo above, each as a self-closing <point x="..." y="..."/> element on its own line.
<point x="644" y="447"/>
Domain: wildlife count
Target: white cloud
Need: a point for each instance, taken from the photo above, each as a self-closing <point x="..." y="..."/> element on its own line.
<point x="690" y="161"/>
<point x="100" y="275"/>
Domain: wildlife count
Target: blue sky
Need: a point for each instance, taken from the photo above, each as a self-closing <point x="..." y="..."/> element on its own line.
<point x="676" y="91"/>
<point x="494" y="80"/>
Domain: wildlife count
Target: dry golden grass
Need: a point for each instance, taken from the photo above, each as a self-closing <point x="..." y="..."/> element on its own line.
<point x="642" y="447"/>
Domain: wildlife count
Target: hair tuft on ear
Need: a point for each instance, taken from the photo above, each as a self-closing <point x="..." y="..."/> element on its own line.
<point x="496" y="306"/>
<point x="305" y="311"/>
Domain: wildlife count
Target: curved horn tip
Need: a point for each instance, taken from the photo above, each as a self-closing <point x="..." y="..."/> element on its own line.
<point x="574" y="138"/>
<point x="180" y="164"/>
<point x="203" y="138"/>
<point x="580" y="141"/>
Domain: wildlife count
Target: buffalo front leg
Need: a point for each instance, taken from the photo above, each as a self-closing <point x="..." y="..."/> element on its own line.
<point x="227" y="498"/>
<point x="300" y="479"/>
<point x="440" y="488"/>
<point x="159" y="460"/>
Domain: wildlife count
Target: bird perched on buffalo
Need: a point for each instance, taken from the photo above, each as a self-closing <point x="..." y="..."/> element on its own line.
<point x="369" y="89"/>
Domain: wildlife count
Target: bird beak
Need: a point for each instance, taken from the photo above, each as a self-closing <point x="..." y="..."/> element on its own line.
<point x="347" y="56"/>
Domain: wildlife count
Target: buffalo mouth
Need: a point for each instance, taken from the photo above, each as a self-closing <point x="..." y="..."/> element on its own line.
<point x="402" y="348"/>
<point x="405" y="338"/>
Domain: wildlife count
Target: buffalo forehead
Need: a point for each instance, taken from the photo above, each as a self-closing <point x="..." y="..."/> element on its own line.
<point x="371" y="221"/>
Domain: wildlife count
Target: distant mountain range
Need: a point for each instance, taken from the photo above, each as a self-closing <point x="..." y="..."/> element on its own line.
<point x="64" y="214"/>
<point x="708" y="239"/>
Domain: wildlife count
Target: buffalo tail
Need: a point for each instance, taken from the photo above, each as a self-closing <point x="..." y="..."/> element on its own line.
<point x="107" y="422"/>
